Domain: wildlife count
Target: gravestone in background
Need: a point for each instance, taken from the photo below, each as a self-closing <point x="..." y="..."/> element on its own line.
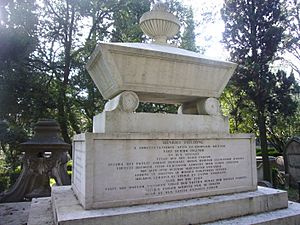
<point x="292" y="156"/>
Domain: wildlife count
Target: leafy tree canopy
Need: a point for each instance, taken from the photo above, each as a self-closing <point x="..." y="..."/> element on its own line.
<point x="253" y="33"/>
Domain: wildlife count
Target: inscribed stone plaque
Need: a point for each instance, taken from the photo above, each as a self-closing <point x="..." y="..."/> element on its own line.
<point x="142" y="171"/>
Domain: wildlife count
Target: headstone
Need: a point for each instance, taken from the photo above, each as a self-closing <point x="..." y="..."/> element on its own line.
<point x="260" y="170"/>
<point x="292" y="154"/>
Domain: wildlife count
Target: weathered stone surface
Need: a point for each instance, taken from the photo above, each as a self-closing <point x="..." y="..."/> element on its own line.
<point x="157" y="73"/>
<point x="159" y="24"/>
<point x="292" y="154"/>
<point x="288" y="216"/>
<point x="126" y="169"/>
<point x="202" y="106"/>
<point x="14" y="213"/>
<point x="259" y="163"/>
<point x="68" y="210"/>
<point x="41" y="212"/>
<point x="127" y="101"/>
<point x="120" y="122"/>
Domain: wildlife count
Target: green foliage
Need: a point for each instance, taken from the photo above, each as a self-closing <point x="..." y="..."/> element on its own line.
<point x="10" y="140"/>
<point x="10" y="154"/>
<point x="24" y="97"/>
<point x="188" y="40"/>
<point x="69" y="167"/>
<point x="44" y="49"/>
<point x="157" y="108"/>
<point x="292" y="33"/>
<point x="52" y="182"/>
<point x="271" y="152"/>
<point x="253" y="33"/>
<point x="293" y="194"/>
<point x="284" y="128"/>
<point x="126" y="21"/>
<point x="4" y="182"/>
<point x="240" y="111"/>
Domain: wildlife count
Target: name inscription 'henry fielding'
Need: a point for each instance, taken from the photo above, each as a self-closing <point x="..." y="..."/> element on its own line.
<point x="135" y="169"/>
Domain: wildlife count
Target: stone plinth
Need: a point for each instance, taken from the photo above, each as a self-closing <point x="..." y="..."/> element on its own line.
<point x="68" y="211"/>
<point x="122" y="122"/>
<point x="112" y="170"/>
<point x="41" y="212"/>
<point x="288" y="216"/>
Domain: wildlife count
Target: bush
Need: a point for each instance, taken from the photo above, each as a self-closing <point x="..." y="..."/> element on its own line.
<point x="69" y="167"/>
<point x="7" y="180"/>
<point x="4" y="182"/>
<point x="271" y="152"/>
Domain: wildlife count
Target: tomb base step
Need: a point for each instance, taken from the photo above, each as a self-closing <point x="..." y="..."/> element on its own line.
<point x="289" y="216"/>
<point x="67" y="210"/>
<point x="41" y="212"/>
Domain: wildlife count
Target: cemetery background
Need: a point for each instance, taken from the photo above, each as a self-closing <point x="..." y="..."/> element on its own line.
<point x="47" y="77"/>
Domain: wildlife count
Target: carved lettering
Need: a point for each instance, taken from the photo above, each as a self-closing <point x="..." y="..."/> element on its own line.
<point x="181" y="166"/>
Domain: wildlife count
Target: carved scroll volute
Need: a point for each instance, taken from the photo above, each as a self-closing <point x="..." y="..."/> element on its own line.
<point x="127" y="101"/>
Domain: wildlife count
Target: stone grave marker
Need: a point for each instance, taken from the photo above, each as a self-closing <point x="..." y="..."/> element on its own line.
<point x="292" y="155"/>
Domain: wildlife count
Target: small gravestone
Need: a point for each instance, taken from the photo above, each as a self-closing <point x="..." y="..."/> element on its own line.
<point x="292" y="154"/>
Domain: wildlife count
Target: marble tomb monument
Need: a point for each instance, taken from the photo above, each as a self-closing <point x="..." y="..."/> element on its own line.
<point x="171" y="169"/>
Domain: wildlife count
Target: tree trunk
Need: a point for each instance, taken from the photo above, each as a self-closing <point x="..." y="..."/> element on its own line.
<point x="62" y="104"/>
<point x="264" y="145"/>
<point x="62" y="115"/>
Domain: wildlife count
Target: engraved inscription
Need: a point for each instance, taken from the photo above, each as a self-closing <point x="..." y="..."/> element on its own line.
<point x="172" y="167"/>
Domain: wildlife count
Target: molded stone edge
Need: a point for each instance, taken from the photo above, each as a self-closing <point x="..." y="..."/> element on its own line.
<point x="201" y="210"/>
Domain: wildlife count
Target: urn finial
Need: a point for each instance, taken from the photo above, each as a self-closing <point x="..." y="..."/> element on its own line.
<point x="159" y="24"/>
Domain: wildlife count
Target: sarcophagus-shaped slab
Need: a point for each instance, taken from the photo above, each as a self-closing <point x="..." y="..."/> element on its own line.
<point x="157" y="73"/>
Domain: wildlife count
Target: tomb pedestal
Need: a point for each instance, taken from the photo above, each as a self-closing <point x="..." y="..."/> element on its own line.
<point x="112" y="170"/>
<point x="264" y="207"/>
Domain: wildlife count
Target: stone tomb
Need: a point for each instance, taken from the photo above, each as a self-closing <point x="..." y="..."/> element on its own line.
<point x="129" y="169"/>
<point x="143" y="168"/>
